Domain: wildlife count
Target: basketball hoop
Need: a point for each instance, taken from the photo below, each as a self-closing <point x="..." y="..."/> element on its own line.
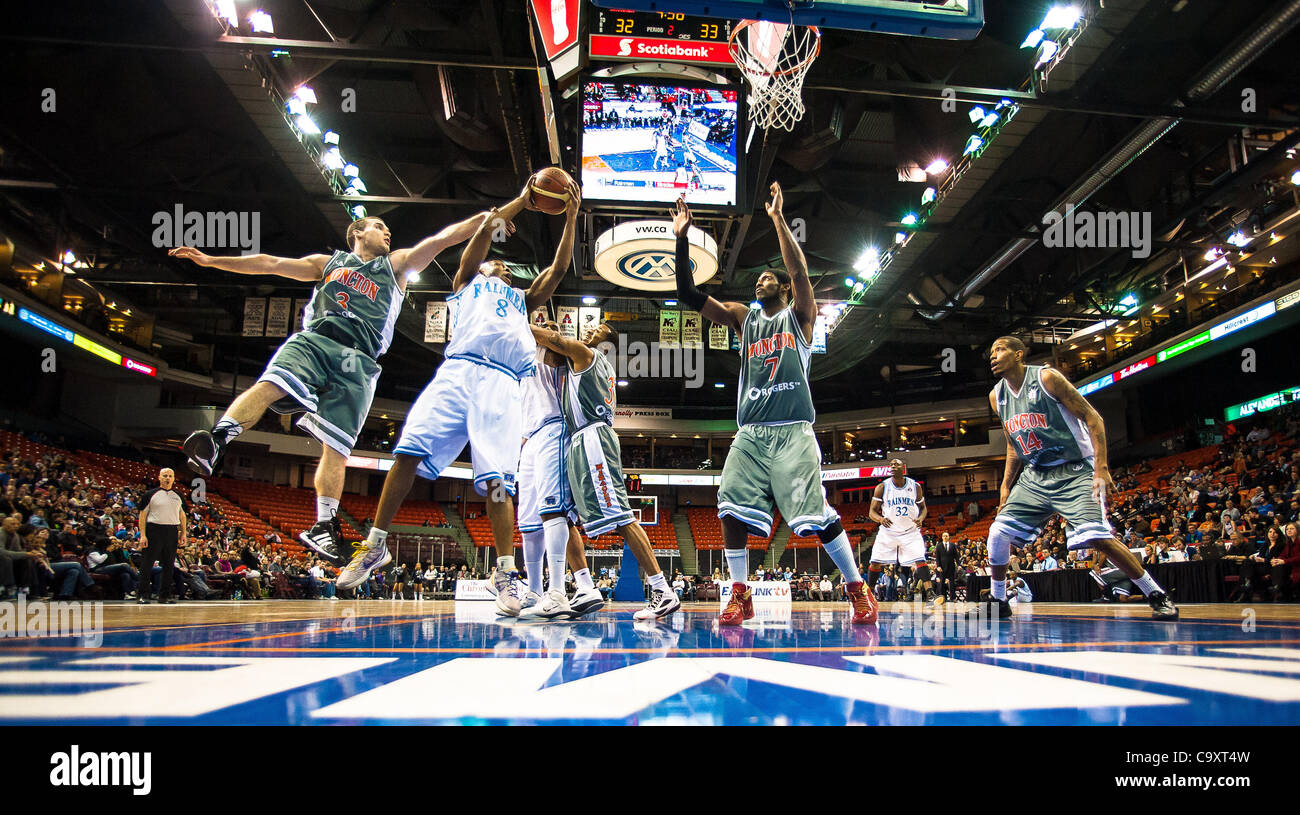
<point x="774" y="57"/>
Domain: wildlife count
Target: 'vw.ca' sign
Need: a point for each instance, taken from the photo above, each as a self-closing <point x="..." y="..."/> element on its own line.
<point x="642" y="255"/>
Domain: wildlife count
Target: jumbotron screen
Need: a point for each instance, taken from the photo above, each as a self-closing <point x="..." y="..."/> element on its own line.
<point x="650" y="143"/>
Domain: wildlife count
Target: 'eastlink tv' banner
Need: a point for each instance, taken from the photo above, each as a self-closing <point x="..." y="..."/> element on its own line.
<point x="762" y="591"/>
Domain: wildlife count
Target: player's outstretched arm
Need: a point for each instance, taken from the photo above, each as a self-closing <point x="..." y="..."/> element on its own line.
<point x="805" y="301"/>
<point x="731" y="315"/>
<point x="878" y="504"/>
<point x="544" y="284"/>
<point x="476" y="252"/>
<point x="578" y="354"/>
<point x="310" y="267"/>
<point x="1060" y="389"/>
<point x="418" y="257"/>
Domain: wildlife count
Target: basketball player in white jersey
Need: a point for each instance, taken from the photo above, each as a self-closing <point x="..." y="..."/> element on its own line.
<point x="661" y="149"/>
<point x="679" y="175"/>
<point x="546" y="511"/>
<point x="476" y="396"/>
<point x="898" y="505"/>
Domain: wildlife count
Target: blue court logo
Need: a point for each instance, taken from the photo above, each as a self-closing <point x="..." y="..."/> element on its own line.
<point x="651" y="265"/>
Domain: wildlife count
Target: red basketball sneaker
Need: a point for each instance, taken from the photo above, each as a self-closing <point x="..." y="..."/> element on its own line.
<point x="864" y="603"/>
<point x="739" y="608"/>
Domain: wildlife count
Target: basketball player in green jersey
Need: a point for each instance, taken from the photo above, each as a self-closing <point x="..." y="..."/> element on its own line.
<point x="594" y="458"/>
<point x="1056" y="442"/>
<point x="774" y="456"/>
<point x="328" y="370"/>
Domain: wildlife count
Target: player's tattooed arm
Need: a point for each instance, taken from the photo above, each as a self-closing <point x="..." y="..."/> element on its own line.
<point x="476" y="251"/>
<point x="544" y="284"/>
<point x="878" y="504"/>
<point x="578" y="354"/>
<point x="1060" y="389"/>
<point x="418" y="257"/>
<point x="805" y="301"/>
<point x="732" y="315"/>
<point x="310" y="267"/>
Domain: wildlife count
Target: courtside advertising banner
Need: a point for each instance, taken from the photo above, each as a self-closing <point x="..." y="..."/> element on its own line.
<point x="762" y="591"/>
<point x="473" y="590"/>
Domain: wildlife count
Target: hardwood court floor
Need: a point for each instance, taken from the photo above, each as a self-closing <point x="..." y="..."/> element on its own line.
<point x="323" y="662"/>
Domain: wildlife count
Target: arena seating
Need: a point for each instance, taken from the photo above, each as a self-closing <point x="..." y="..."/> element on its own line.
<point x="291" y="510"/>
<point x="662" y="535"/>
<point x="706" y="528"/>
<point x="411" y="513"/>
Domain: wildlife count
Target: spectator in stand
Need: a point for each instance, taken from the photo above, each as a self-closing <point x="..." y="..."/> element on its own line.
<point x="16" y="567"/>
<point x="324" y="581"/>
<point x="1284" y="562"/>
<point x="109" y="557"/>
<point x="50" y="571"/>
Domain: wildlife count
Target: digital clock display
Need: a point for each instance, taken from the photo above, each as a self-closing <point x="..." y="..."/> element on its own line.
<point x="662" y="24"/>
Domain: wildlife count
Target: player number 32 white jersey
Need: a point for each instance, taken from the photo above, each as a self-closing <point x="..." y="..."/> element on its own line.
<point x="899" y="506"/>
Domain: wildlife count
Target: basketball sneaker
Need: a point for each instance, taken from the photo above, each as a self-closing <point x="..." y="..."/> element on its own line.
<point x="202" y="451"/>
<point x="584" y="602"/>
<point x="549" y="606"/>
<point x="863" y="602"/>
<point x="1003" y="608"/>
<point x="505" y="586"/>
<point x="530" y="600"/>
<point x="1162" y="607"/>
<point x="325" y="539"/>
<point x="365" y="560"/>
<point x="740" y="607"/>
<point x="662" y="603"/>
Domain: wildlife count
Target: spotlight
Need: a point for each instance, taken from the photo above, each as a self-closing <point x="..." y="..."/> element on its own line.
<point x="670" y="302"/>
<point x="306" y="125"/>
<point x="358" y="212"/>
<point x="972" y="144"/>
<point x="1061" y="17"/>
<point x="330" y="137"/>
<point x="622" y="383"/>
<point x="909" y="219"/>
<point x="928" y="196"/>
<point x="306" y="94"/>
<point x="332" y="159"/>
<point x="589" y="301"/>
<point x="849" y="281"/>
<point x="977" y="113"/>
<point x="296" y="106"/>
<point x="937" y="166"/>
<point x="899" y="237"/>
<point x="351" y="171"/>
<point x="226" y="11"/>
<point x="261" y="22"/>
<point x="1046" y="51"/>
<point x="869" y="262"/>
<point x="1033" y="39"/>
<point x="413" y="276"/>
<point x="357" y="184"/>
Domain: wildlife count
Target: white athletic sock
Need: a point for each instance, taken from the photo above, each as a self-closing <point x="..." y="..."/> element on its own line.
<point x="842" y="553"/>
<point x="556" y="531"/>
<point x="534" y="556"/>
<point x="658" y="581"/>
<point x="1147" y="584"/>
<point x="506" y="564"/>
<point x="998" y="588"/>
<point x="226" y="429"/>
<point x="326" y="508"/>
<point x="583" y="579"/>
<point x="738" y="564"/>
<point x="376" y="538"/>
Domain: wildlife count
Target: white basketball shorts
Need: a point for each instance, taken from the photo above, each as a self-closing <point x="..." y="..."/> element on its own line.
<point x="543" y="481"/>
<point x="905" y="548"/>
<point x="467" y="402"/>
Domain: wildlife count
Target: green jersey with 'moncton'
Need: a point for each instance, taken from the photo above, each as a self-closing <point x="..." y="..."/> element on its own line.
<point x="774" y="360"/>
<point x="1043" y="432"/>
<point x="587" y="397"/>
<point x="357" y="298"/>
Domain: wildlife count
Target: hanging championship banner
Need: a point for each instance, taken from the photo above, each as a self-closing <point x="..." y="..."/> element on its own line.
<point x="588" y="318"/>
<point x="277" y="316"/>
<point x="567" y="317"/>
<point x="692" y="330"/>
<point x="299" y="308"/>
<point x="539" y="316"/>
<point x="254" y="316"/>
<point x="435" y="321"/>
<point x="718" y="340"/>
<point x="670" y="329"/>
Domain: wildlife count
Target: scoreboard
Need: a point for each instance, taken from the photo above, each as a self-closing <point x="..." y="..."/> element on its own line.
<point x="659" y="35"/>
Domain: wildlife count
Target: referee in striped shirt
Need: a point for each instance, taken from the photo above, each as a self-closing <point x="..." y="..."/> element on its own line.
<point x="162" y="528"/>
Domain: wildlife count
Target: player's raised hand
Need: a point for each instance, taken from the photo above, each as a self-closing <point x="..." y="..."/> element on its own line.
<point x="526" y="195"/>
<point x="495" y="219"/>
<point x="191" y="254"/>
<point x="778" y="200"/>
<point x="681" y="217"/>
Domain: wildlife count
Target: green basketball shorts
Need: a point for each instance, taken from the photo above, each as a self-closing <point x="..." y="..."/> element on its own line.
<point x="595" y="471"/>
<point x="778" y="464"/>
<point x="1039" y="493"/>
<point x="332" y="383"/>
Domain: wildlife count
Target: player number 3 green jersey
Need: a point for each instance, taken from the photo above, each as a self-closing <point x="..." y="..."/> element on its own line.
<point x="356" y="300"/>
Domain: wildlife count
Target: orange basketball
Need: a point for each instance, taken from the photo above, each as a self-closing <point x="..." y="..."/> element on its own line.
<point x="548" y="190"/>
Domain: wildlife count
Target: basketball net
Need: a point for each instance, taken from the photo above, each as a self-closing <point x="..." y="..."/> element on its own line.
<point x="774" y="58"/>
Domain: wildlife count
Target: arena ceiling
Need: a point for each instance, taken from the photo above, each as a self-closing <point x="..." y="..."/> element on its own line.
<point x="153" y="109"/>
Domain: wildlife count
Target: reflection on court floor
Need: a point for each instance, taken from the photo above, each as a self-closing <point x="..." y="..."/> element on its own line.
<point x="322" y="663"/>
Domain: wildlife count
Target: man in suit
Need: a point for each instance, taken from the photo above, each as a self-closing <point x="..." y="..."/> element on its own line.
<point x="945" y="558"/>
